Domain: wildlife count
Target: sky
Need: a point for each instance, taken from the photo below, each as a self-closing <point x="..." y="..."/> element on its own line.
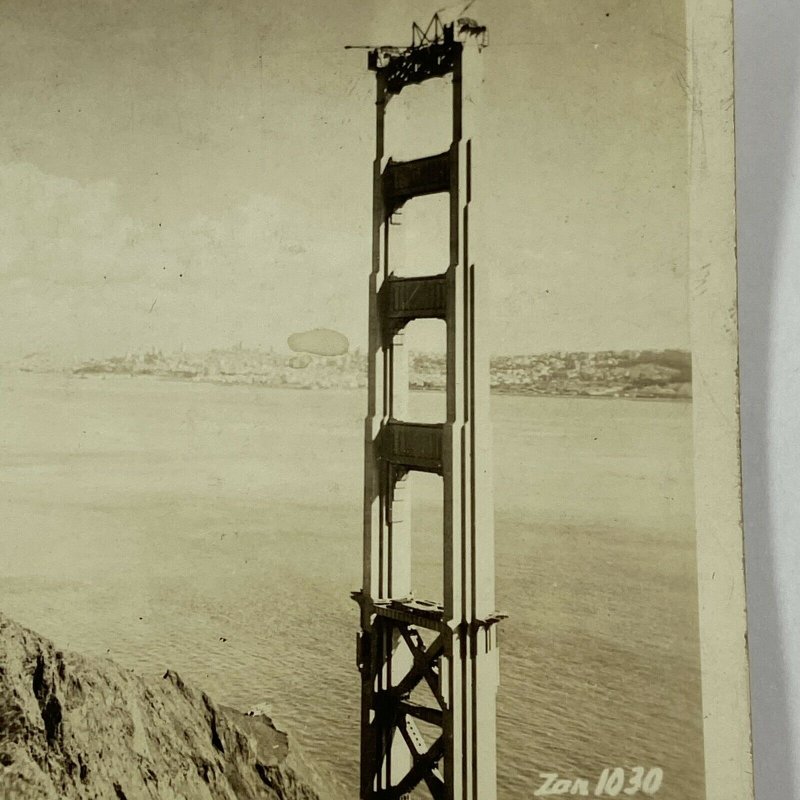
<point x="198" y="174"/>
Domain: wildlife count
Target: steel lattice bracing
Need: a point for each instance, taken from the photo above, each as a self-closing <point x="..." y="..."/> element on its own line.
<point x="409" y="647"/>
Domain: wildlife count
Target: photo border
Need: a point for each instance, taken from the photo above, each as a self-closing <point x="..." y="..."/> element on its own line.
<point x="717" y="458"/>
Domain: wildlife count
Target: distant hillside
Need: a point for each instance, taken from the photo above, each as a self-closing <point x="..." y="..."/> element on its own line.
<point x="626" y="373"/>
<point x="608" y="373"/>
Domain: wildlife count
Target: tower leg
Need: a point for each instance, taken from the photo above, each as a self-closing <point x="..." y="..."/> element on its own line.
<point x="460" y="662"/>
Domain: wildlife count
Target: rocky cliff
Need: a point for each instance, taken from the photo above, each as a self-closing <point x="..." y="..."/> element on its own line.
<point x="78" y="727"/>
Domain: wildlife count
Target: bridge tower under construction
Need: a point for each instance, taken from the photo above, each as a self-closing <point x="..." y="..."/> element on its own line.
<point x="429" y="670"/>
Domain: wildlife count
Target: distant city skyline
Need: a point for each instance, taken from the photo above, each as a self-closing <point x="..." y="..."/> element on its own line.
<point x="200" y="174"/>
<point x="611" y="374"/>
<point x="67" y="360"/>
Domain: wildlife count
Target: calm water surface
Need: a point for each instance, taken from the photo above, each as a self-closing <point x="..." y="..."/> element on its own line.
<point x="216" y="530"/>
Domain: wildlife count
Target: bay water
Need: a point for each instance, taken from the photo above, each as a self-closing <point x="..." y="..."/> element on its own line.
<point x="216" y="530"/>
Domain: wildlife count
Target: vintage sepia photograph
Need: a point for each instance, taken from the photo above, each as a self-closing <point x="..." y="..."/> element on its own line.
<point x="368" y="401"/>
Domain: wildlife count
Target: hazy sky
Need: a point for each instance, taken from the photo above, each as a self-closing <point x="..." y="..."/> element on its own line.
<point x="200" y="172"/>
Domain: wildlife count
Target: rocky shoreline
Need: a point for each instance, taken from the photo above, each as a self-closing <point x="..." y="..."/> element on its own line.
<point x="80" y="728"/>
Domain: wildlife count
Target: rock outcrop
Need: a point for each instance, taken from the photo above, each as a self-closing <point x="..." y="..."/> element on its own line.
<point x="73" y="727"/>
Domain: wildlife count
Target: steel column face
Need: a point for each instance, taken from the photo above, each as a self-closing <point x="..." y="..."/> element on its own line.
<point x="429" y="672"/>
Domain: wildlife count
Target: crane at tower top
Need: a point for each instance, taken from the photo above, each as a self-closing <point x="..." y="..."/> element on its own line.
<point x="439" y="31"/>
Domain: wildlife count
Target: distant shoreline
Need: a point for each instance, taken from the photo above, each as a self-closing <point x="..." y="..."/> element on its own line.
<point x="637" y="374"/>
<point x="212" y="381"/>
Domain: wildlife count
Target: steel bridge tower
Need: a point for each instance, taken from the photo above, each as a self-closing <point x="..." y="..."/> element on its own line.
<point x="409" y="645"/>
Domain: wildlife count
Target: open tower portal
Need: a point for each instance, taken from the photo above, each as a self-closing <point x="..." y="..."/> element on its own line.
<point x="408" y="645"/>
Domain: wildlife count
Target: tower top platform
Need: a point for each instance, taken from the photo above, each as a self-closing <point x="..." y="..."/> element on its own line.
<point x="431" y="53"/>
